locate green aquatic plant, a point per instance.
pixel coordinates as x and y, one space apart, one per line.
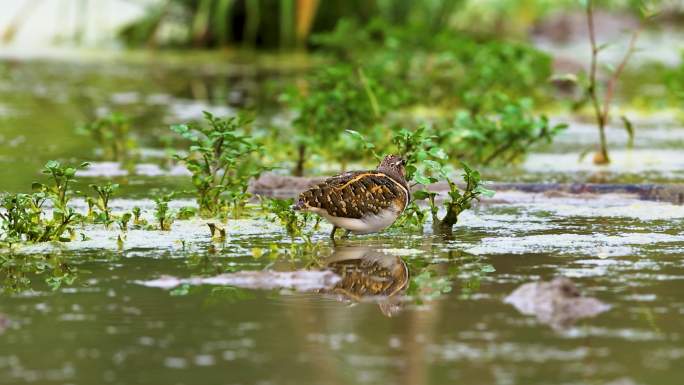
138 220
60 273
123 221
500 138
459 199
24 216
336 98
104 194
186 212
112 134
443 69
162 213
222 161
417 147
430 280
428 286
294 222
63 177
60 193
425 165
92 203
413 218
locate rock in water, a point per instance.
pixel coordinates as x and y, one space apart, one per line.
557 303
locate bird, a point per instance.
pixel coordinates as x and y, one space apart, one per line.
360 202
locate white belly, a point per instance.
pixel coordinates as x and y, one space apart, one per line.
369 224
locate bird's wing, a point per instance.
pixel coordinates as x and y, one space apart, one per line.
356 194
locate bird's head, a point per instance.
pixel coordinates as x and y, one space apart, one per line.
394 164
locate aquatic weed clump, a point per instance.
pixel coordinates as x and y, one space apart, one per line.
294 222
104 194
336 98
222 160
425 165
25 218
112 134
425 162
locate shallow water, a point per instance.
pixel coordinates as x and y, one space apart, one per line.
42 103
448 321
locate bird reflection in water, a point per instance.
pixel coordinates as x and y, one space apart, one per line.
369 275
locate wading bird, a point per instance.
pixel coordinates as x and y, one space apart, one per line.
361 202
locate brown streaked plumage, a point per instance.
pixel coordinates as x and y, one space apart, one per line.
360 201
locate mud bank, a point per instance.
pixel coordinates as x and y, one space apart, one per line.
289 186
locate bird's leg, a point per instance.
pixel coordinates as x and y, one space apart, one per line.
332 233
346 234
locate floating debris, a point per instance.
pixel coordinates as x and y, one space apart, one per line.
115 169
301 280
557 303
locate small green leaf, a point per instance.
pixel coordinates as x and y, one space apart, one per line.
421 179
420 195
629 127
52 164
485 192
438 153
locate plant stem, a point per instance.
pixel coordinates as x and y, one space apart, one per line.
610 87
593 92
602 112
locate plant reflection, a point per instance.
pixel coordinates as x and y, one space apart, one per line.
18 272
